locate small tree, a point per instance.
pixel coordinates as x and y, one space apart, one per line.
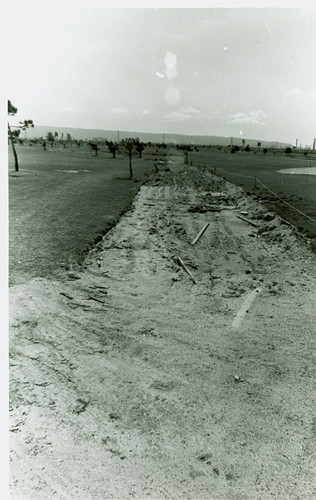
94 147
69 141
13 135
140 146
25 125
129 145
288 151
113 147
50 138
247 148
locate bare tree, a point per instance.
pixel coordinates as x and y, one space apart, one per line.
130 145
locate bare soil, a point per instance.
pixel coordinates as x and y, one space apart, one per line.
130 379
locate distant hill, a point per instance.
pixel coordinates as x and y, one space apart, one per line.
113 135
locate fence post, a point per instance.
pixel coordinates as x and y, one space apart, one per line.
255 181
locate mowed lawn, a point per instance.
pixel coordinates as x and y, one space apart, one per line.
242 167
60 202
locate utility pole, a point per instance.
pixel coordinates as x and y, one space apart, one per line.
296 143
314 144
118 136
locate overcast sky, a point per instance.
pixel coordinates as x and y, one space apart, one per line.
231 72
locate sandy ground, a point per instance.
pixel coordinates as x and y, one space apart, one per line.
130 380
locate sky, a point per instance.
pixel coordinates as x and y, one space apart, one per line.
242 72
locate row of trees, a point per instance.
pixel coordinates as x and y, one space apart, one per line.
129 145
52 137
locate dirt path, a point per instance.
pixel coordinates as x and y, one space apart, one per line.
129 380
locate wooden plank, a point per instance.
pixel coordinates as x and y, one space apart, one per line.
182 264
246 220
97 300
66 295
245 307
198 236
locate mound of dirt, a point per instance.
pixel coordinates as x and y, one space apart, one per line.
167 367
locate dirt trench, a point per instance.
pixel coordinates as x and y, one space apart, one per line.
132 378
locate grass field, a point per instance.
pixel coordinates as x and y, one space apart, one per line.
62 201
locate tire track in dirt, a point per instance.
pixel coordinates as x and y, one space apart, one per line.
137 393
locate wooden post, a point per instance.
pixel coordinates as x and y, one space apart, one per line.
130 154
249 221
182 264
198 236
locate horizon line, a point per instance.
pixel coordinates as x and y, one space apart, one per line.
165 133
